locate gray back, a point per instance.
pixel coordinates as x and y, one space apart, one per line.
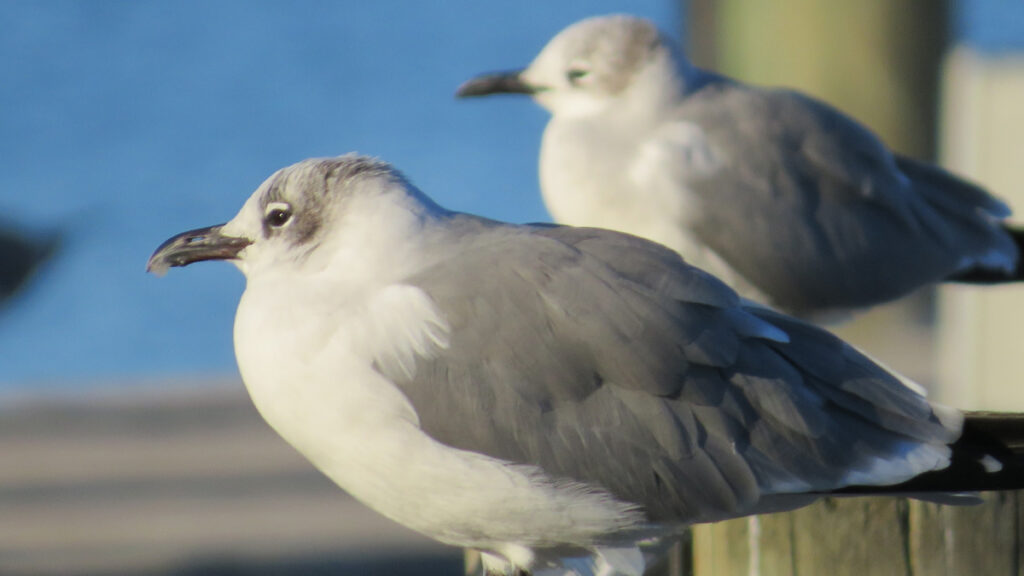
817 213
604 359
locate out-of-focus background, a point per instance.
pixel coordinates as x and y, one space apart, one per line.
128 444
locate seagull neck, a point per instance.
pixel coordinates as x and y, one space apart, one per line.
377 242
655 90
695 79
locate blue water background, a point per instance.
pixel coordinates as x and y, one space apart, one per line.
125 122
994 27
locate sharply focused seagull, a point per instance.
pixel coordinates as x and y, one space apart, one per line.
788 200
551 395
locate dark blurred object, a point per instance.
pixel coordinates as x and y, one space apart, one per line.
20 257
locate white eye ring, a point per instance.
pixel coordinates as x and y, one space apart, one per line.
278 214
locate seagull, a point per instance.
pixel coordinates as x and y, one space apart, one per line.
553 396
20 257
788 200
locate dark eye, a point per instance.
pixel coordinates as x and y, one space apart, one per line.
278 214
278 217
575 74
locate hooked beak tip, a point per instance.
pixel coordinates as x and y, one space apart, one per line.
195 246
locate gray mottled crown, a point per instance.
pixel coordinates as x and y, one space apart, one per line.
311 186
322 178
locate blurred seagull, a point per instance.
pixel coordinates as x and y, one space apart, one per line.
547 395
20 257
788 200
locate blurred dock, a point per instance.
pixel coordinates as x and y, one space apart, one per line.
188 482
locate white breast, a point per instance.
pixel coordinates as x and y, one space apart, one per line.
634 183
312 378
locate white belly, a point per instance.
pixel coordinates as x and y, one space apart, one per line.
312 380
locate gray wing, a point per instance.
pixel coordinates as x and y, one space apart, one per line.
815 211
602 358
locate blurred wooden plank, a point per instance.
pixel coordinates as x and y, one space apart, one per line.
171 483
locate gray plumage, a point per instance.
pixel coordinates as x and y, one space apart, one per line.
605 359
785 198
817 213
542 392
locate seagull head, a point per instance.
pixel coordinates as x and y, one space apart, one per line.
351 213
601 63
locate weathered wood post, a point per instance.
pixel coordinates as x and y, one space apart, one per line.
876 536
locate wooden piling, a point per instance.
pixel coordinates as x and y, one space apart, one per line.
861 536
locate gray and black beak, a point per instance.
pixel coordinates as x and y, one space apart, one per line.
195 246
510 82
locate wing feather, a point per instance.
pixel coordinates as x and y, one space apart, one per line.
815 211
581 352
